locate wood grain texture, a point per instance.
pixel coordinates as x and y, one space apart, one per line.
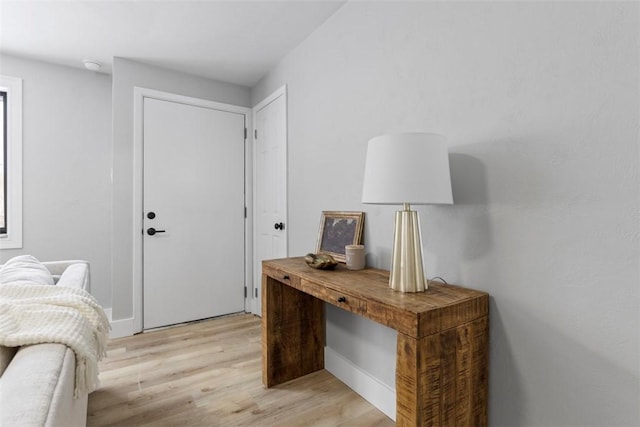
293 331
415 314
442 379
442 344
208 374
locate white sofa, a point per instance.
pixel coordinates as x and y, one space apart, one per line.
37 386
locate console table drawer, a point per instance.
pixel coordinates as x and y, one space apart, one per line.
282 276
339 299
347 302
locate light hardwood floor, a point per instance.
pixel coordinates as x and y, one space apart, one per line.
208 374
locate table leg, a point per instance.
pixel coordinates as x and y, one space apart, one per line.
293 331
442 379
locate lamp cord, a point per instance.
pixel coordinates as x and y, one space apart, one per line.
441 279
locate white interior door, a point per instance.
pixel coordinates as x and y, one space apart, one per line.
193 197
270 208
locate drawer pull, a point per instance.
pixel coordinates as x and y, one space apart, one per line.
342 299
285 278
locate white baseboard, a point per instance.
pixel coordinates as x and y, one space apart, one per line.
369 387
119 328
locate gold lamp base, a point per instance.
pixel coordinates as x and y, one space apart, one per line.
407 273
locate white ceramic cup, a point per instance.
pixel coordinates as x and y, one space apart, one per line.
355 257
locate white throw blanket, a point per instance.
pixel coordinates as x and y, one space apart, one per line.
35 314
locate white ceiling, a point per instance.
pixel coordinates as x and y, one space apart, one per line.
232 41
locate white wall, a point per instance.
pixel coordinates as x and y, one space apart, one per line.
126 75
66 166
540 102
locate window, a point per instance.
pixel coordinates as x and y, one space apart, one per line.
3 163
10 162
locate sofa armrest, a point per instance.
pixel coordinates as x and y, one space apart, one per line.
37 388
58 267
74 274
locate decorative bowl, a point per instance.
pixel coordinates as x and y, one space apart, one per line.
320 261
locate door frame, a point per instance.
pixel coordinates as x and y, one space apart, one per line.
281 91
139 94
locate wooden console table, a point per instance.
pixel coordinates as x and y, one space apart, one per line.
442 346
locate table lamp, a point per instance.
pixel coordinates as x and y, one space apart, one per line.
405 169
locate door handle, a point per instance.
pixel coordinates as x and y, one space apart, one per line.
279 226
151 231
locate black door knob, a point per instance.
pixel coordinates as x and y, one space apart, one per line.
279 226
151 215
151 231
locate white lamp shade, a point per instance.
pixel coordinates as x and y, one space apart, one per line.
407 168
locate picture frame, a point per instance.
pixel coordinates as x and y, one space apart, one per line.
338 229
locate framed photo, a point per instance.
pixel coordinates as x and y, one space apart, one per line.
338 229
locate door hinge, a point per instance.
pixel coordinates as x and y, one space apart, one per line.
255 133
256 292
245 211
245 133
245 291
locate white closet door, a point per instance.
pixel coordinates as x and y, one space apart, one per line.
271 186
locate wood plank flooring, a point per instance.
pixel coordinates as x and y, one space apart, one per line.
208 374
